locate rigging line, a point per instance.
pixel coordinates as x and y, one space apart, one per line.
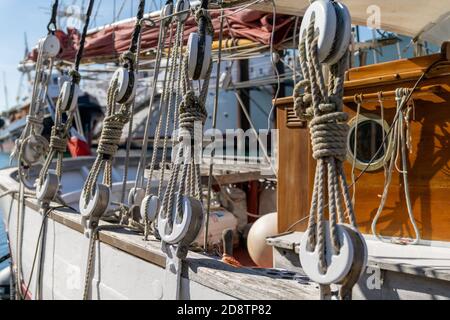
83 36
295 46
263 147
214 125
275 69
96 12
120 10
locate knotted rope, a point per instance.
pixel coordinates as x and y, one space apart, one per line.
192 115
328 128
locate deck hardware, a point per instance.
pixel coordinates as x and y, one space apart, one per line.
50 46
135 196
47 189
200 48
150 207
126 84
69 96
98 203
181 6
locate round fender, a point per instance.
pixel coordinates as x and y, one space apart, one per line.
97 204
126 85
338 265
50 46
34 147
343 34
182 5
150 207
199 55
135 196
47 190
325 24
185 229
69 96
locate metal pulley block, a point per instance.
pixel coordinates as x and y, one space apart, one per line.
95 208
50 46
332 25
182 6
69 96
135 196
185 228
199 48
46 190
32 149
339 264
126 84
150 207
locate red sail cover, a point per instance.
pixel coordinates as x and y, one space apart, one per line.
112 40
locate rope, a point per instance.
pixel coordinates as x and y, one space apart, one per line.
399 145
51 26
191 111
323 106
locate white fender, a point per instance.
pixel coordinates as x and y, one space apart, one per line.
123 77
325 24
150 207
47 190
50 46
186 229
135 196
343 33
338 265
69 96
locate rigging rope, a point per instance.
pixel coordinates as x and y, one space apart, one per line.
399 146
322 106
113 125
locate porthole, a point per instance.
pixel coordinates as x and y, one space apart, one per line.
368 131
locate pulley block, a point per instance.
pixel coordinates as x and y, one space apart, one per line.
199 47
69 96
46 190
167 11
182 6
338 265
135 196
332 24
50 46
185 228
150 207
126 85
33 149
97 204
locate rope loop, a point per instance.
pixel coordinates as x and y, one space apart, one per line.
202 14
302 100
75 75
127 57
58 141
111 134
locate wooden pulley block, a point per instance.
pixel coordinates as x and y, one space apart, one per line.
46 190
150 207
332 24
167 11
126 83
135 196
181 6
33 148
185 229
95 208
200 47
338 264
50 46
69 96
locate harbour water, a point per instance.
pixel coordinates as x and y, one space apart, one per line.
4 162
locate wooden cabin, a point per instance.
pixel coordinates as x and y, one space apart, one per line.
429 156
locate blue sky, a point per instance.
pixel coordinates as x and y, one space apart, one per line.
31 16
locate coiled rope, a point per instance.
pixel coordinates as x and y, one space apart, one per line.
399 145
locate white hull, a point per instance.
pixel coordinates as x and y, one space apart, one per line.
126 266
